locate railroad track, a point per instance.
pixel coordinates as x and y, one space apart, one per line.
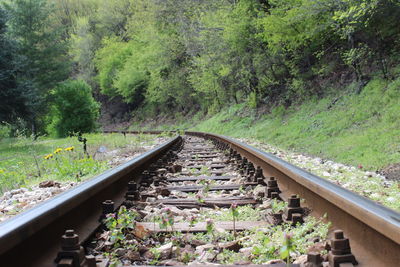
195 174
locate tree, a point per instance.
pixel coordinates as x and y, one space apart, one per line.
40 55
11 99
74 109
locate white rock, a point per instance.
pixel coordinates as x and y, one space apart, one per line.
201 249
301 260
390 199
326 174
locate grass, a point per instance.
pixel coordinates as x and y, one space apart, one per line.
23 161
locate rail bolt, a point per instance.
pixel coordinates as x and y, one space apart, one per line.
132 186
274 195
340 250
259 174
130 197
71 254
294 201
293 207
108 206
314 259
297 218
70 240
90 261
272 186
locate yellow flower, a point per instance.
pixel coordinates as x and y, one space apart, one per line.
58 150
71 148
49 156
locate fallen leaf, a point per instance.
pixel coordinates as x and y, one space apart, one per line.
141 232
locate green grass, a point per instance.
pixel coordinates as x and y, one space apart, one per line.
23 163
353 129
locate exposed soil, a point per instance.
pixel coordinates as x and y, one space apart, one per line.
391 172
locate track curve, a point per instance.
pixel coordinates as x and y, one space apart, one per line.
32 238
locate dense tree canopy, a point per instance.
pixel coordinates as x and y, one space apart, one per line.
11 100
164 56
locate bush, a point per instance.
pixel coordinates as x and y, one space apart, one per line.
5 130
73 109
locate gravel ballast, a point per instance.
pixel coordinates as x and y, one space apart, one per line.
366 183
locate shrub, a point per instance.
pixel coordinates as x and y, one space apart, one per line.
73 109
5 130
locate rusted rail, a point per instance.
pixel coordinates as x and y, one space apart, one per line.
32 238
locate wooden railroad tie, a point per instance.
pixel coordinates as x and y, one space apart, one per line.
212 166
216 173
202 226
199 149
207 202
195 178
200 161
201 157
195 188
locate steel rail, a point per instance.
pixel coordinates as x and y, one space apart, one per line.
32 238
374 230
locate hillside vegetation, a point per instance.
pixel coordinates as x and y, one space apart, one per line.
357 129
168 57
360 130
319 76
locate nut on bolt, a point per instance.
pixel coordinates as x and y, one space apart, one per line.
70 240
314 259
340 250
272 186
293 207
108 207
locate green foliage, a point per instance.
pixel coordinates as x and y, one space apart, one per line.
11 99
271 243
109 60
278 206
40 57
119 224
82 46
74 109
186 56
5 131
288 246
